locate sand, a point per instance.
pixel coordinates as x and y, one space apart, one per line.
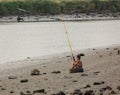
101 74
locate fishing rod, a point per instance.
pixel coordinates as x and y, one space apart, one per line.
66 31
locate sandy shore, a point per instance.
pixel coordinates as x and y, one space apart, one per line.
56 18
101 75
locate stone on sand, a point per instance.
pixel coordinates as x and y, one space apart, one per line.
24 81
89 92
56 72
35 72
118 87
77 92
39 91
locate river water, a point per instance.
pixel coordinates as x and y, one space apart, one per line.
21 40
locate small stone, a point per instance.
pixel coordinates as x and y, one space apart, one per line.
113 92
115 48
24 81
39 91
100 56
87 86
3 89
44 73
96 83
12 77
11 91
93 48
118 87
56 72
102 82
84 74
89 92
35 72
77 92
74 81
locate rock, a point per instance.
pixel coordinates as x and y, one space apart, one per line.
11 91
105 88
118 87
115 48
12 77
113 92
21 93
35 72
100 56
24 81
82 54
93 48
84 74
102 82
3 89
60 93
44 73
107 48
39 91
56 72
101 93
89 92
87 86
96 83
118 52
74 81
77 92
68 56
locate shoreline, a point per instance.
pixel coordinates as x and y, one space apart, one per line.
57 18
101 64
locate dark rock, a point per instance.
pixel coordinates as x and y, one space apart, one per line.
113 92
74 81
118 87
24 81
12 77
96 72
101 93
84 74
107 48
115 48
44 73
68 56
39 91
96 83
102 82
60 93
105 88
21 93
93 48
11 91
56 72
82 54
87 86
77 92
118 52
89 92
35 72
100 56
3 89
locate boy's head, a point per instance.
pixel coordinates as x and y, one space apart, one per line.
78 56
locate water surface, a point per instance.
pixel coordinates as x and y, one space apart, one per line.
22 40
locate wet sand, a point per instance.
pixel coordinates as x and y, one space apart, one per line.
49 75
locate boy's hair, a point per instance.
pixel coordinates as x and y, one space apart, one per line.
79 56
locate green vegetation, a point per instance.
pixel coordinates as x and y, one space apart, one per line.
48 7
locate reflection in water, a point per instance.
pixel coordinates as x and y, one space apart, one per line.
20 40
